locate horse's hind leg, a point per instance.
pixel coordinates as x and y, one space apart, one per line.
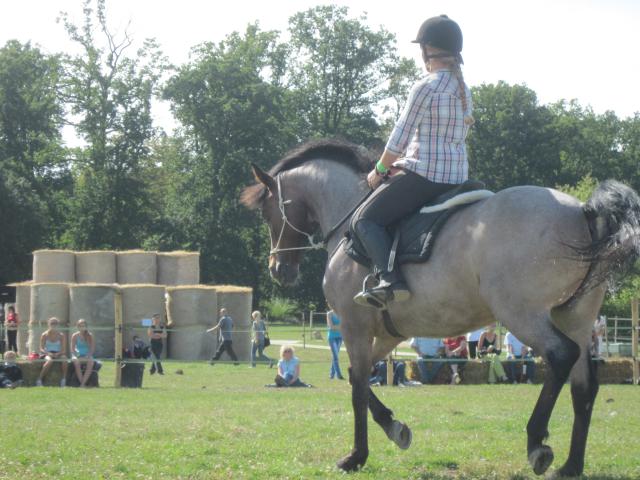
560 353
397 431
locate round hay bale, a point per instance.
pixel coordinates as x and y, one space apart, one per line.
23 309
96 267
95 303
47 300
238 301
140 302
178 268
191 310
136 267
54 266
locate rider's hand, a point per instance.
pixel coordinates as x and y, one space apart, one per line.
373 179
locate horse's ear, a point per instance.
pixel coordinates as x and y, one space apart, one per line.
264 178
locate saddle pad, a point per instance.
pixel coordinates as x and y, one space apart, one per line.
418 231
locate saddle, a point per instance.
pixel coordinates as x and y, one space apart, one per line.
414 236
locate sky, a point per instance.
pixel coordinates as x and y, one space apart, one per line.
561 49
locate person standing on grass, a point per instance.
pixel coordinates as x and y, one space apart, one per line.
334 337
157 332
12 323
258 332
225 325
53 346
82 348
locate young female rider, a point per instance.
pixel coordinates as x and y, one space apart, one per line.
428 144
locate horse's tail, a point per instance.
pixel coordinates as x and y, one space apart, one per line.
613 216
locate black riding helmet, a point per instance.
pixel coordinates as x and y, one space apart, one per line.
440 32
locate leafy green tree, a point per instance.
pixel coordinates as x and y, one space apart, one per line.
31 155
109 98
232 105
340 71
280 308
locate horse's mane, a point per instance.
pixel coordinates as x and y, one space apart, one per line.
341 151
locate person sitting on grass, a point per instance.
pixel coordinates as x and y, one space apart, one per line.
53 346
10 373
289 369
489 351
82 348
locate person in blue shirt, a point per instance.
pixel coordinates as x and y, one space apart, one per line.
288 369
428 349
335 341
82 348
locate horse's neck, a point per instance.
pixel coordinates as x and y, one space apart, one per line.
331 191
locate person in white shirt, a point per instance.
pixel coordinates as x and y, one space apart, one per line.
516 350
472 342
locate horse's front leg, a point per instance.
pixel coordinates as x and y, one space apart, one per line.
397 431
359 349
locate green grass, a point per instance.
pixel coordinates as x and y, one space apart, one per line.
220 422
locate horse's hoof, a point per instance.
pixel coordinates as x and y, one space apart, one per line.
566 471
352 462
540 459
400 434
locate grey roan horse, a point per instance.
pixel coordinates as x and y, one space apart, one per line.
533 258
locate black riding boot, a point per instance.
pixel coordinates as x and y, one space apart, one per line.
392 286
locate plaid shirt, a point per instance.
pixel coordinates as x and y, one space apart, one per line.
431 130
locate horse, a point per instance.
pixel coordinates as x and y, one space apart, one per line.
534 259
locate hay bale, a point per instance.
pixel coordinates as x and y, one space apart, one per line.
47 300
178 268
54 266
136 267
23 309
237 301
95 303
141 302
96 267
191 310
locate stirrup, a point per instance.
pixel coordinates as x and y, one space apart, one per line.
367 298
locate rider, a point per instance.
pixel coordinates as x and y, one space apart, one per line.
427 144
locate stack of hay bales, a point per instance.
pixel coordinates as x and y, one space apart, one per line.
95 304
237 301
136 267
96 267
54 266
47 300
140 302
191 311
178 268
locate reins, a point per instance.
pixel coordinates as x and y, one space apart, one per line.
313 245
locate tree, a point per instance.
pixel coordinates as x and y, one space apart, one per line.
109 97
31 155
340 71
232 105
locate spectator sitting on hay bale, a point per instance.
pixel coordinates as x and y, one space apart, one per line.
456 347
10 373
288 369
516 350
53 346
489 351
82 349
428 349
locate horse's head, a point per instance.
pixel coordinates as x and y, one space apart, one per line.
282 205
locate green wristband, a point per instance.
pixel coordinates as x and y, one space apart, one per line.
380 168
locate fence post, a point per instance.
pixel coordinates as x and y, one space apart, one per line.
634 340
117 298
311 322
389 371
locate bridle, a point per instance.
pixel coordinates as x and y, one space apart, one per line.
313 245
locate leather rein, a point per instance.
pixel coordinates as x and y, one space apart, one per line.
313 244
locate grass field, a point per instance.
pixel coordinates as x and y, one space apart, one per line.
220 422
